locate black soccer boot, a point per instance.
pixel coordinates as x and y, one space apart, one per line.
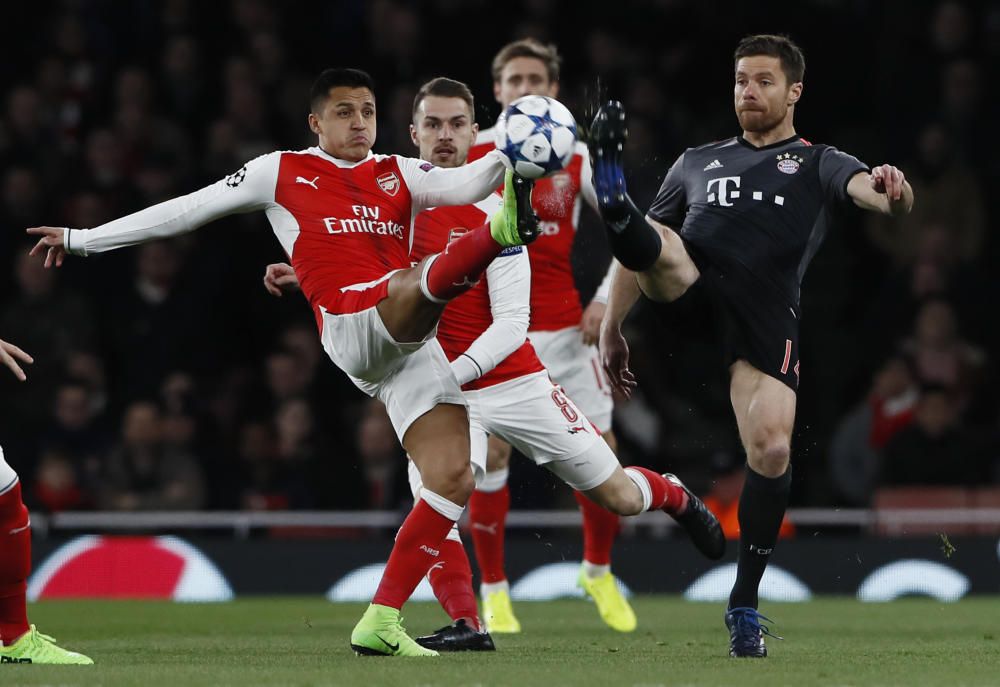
457 637
700 523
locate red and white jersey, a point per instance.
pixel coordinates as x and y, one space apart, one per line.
555 302
344 225
487 324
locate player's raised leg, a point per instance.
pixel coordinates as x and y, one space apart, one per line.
765 414
417 296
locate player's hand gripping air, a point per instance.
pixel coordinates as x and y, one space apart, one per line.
10 354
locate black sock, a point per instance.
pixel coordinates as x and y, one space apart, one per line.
761 510
633 241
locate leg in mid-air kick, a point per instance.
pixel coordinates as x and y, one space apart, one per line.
657 263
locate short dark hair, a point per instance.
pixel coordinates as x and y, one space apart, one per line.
793 62
333 78
528 47
443 87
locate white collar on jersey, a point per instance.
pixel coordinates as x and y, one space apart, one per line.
345 164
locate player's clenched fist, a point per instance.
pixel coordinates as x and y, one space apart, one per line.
278 277
888 180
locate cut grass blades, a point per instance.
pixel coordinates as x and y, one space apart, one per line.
297 641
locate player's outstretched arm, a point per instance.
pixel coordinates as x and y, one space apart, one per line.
9 356
280 277
250 188
885 190
623 294
634 243
432 186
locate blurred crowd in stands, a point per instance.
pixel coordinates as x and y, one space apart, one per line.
166 378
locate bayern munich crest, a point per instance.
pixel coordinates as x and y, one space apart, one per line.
788 163
389 183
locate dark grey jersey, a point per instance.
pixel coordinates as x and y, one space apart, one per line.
765 208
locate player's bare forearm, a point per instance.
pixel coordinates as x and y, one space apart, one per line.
885 190
622 295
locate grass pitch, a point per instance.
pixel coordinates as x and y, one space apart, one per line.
298 641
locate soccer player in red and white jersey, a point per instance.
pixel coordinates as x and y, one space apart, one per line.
483 334
343 216
564 335
20 642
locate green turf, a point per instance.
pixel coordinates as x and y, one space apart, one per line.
296 641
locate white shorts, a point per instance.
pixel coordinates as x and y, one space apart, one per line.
534 416
577 369
7 475
409 378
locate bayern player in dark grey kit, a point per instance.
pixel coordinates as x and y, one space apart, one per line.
742 217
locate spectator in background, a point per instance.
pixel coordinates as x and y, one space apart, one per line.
951 198
940 355
856 447
934 449
384 483
49 321
57 484
142 473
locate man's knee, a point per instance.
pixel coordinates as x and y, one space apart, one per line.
769 454
452 480
497 456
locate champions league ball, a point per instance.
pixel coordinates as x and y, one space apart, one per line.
537 134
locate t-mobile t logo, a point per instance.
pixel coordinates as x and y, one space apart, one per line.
724 194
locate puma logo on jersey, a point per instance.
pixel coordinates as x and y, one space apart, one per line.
488 529
714 164
303 180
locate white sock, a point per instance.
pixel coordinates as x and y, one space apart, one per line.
642 484
494 480
592 570
487 588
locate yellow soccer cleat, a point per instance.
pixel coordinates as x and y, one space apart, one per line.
498 615
613 607
34 647
380 632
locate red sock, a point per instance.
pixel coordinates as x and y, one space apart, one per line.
667 496
417 547
600 527
451 580
487 520
457 269
15 564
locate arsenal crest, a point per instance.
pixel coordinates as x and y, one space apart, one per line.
389 183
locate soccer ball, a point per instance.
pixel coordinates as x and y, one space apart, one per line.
536 134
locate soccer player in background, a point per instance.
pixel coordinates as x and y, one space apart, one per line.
20 642
342 215
743 218
563 335
483 333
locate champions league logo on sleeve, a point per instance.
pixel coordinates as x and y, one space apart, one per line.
237 177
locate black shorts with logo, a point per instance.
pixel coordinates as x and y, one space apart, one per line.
757 325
